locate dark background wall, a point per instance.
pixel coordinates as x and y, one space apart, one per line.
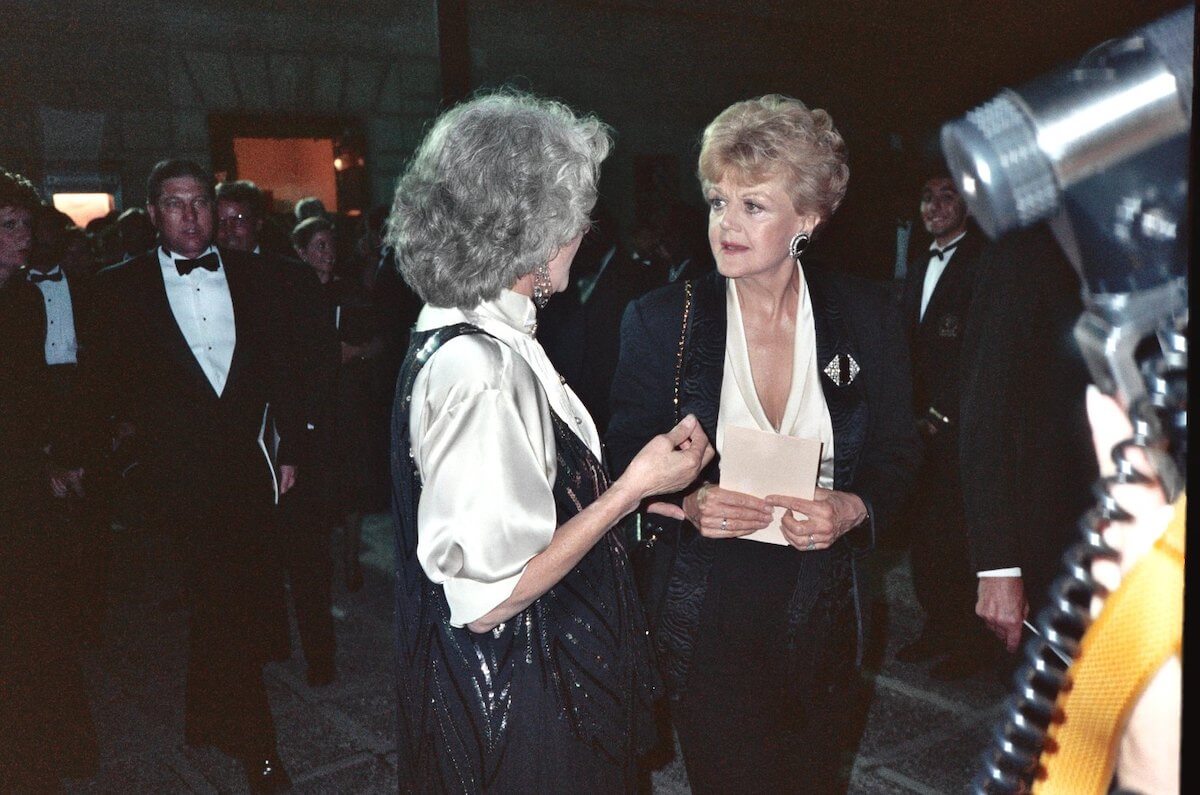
109 87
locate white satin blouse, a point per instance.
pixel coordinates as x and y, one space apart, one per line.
483 442
806 415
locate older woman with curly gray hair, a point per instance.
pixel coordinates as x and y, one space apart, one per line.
755 609
523 661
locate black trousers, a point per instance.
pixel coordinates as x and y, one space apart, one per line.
300 547
944 580
45 721
226 701
742 725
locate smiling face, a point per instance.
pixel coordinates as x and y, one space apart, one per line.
943 210
237 227
319 254
183 216
16 239
750 226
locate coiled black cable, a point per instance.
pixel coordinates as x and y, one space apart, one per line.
1010 763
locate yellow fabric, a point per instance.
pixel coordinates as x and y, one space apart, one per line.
1139 628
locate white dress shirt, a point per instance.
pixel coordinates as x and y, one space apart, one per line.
806 414
483 442
203 309
61 344
935 270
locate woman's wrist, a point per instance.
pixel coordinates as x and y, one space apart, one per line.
624 496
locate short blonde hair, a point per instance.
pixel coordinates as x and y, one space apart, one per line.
774 135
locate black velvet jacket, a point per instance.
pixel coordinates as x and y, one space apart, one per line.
667 371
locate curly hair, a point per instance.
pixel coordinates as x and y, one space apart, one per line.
16 191
775 135
499 184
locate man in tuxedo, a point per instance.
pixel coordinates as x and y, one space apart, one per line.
301 532
1025 444
187 357
46 727
82 520
937 302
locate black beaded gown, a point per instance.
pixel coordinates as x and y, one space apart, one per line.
558 698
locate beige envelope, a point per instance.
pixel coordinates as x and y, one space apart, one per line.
758 463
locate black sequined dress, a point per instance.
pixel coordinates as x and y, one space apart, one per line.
558 698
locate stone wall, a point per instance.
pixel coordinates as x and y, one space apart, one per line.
103 88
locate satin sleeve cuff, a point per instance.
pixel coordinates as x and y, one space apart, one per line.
1014 571
487 462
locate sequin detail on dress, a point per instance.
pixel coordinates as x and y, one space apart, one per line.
556 698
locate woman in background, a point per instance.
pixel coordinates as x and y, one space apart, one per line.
348 449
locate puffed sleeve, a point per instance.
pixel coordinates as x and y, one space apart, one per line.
484 446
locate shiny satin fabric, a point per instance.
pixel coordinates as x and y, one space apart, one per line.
483 442
557 698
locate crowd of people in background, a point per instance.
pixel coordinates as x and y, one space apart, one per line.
84 440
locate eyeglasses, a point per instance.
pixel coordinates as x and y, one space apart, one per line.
234 220
176 205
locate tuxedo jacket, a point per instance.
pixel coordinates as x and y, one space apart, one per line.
935 341
875 444
199 453
312 339
23 398
1025 445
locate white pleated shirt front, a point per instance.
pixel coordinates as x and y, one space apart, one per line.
483 443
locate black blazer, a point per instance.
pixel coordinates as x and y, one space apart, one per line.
876 446
935 342
312 340
199 452
23 399
1025 444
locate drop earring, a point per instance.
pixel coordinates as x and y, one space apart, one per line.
542 288
798 244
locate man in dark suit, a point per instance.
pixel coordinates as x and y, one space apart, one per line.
82 522
937 303
46 727
186 359
1026 452
301 532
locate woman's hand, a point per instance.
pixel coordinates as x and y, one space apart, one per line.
719 513
668 462
822 520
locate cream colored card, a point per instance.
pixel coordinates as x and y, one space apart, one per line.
758 463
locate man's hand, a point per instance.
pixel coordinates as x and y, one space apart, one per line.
287 478
1003 607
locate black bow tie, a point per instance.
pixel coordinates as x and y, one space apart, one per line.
36 277
939 253
209 262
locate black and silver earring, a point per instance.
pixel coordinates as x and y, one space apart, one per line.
798 244
542 288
